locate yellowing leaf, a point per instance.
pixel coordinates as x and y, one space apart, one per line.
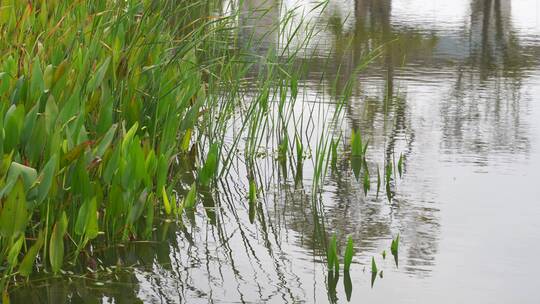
166 202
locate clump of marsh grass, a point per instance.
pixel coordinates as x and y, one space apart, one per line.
100 100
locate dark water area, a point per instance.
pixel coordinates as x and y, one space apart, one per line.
455 90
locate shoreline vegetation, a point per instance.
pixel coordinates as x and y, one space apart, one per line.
106 103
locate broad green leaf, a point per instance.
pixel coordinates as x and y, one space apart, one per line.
151 164
162 170
80 184
5 164
106 111
14 214
92 227
126 141
25 269
112 165
13 255
28 126
137 159
69 110
395 245
136 211
28 174
82 218
373 266
356 144
75 153
20 91
48 75
13 123
46 179
98 76
105 141
4 81
356 166
51 114
6 187
39 141
332 255
56 247
37 83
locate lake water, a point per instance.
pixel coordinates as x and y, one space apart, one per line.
455 90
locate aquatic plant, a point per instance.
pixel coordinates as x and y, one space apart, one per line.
400 165
347 284
349 253
100 100
374 271
394 247
373 266
332 255
252 197
95 96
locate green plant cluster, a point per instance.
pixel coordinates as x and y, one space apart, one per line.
96 99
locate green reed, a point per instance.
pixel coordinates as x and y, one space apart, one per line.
99 100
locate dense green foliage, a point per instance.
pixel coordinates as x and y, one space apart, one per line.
98 98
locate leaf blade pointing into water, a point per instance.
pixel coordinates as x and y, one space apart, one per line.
373 271
400 165
349 253
373 265
395 245
394 249
332 257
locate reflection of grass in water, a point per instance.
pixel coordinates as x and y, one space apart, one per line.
123 92
104 98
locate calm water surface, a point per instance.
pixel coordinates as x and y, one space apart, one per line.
456 92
